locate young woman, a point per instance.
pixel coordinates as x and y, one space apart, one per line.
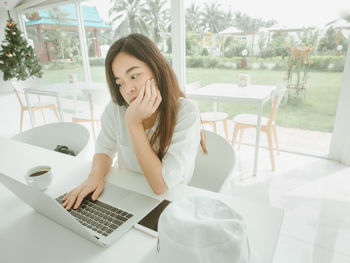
155 130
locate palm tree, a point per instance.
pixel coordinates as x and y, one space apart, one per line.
127 16
212 17
192 15
244 22
228 19
249 24
157 17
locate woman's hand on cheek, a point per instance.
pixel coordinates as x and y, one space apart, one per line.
146 103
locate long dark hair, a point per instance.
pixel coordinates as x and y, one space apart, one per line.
145 50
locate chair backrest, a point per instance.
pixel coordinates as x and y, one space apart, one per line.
72 135
19 86
211 170
276 97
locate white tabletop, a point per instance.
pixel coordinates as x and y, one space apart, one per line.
26 236
64 88
232 93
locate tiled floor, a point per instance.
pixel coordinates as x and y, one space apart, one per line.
315 196
314 193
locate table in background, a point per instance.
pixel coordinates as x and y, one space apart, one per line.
59 90
27 236
255 95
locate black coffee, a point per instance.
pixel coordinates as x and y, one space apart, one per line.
38 173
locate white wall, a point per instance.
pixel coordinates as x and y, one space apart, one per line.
4 85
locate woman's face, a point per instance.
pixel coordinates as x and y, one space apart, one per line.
130 75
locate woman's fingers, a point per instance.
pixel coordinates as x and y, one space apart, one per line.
71 200
68 197
81 196
97 192
148 91
71 197
158 100
146 103
65 197
154 92
140 95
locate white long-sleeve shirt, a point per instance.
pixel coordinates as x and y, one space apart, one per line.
178 162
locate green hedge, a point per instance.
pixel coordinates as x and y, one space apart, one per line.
319 63
327 63
97 61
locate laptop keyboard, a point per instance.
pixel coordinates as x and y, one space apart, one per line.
98 216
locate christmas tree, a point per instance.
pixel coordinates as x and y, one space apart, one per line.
17 57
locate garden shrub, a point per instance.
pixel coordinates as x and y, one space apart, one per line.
210 62
194 61
319 63
323 63
97 61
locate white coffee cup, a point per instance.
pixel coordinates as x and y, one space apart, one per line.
39 177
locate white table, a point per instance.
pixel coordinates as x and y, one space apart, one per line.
59 90
231 93
26 236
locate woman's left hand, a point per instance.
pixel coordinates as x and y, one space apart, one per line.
146 103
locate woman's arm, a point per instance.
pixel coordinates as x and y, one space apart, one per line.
93 184
147 158
141 109
101 164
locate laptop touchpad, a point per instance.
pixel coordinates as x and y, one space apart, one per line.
113 194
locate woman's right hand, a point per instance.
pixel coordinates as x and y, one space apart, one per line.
93 184
145 104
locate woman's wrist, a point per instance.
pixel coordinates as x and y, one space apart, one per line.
96 175
134 125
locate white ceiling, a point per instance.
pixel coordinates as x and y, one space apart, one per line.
26 4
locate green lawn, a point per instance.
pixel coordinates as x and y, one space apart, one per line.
317 112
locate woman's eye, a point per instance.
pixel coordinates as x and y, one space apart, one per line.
134 76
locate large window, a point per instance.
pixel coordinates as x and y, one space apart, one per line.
54 34
274 44
148 17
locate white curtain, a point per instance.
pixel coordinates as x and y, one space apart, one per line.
340 145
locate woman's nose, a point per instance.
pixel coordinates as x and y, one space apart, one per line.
129 87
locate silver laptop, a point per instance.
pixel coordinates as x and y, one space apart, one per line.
103 221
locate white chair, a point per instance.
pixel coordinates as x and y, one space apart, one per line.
98 99
212 169
268 125
73 135
18 87
210 117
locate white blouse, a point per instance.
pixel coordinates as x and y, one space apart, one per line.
178 162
